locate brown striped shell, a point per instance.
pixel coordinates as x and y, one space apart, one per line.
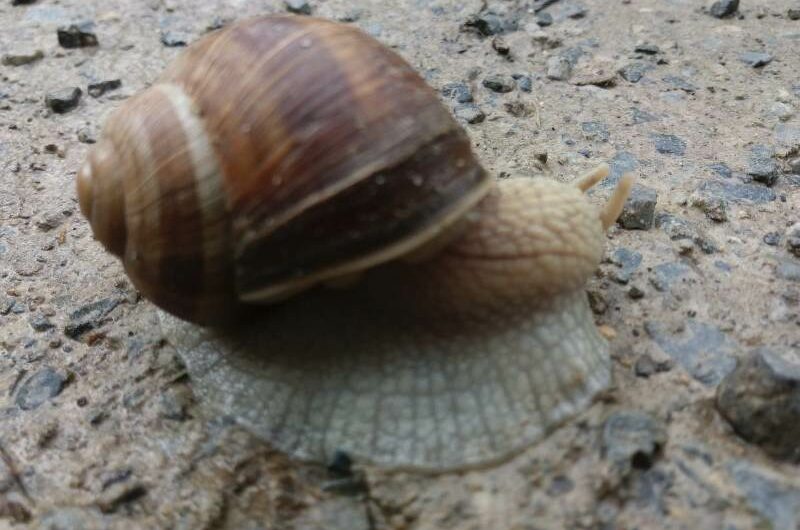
270 156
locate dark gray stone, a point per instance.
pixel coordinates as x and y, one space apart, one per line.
777 501
646 366
634 72
499 83
702 349
621 163
639 209
723 8
772 238
469 112
761 400
793 14
721 169
524 82
488 23
101 87
669 144
640 116
39 388
40 323
755 59
63 100
632 440
647 48
793 239
544 19
680 83
762 165
738 192
89 317
595 130
559 68
457 91
665 275
628 261
78 35
175 38
298 7
21 2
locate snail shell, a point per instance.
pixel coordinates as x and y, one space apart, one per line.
270 156
282 152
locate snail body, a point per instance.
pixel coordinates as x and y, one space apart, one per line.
285 152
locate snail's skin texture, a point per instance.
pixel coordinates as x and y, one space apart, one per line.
270 156
459 361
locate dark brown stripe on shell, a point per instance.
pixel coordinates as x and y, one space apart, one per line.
364 218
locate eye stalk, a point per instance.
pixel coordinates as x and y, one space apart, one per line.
101 197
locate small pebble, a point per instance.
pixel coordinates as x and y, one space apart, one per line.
723 8
793 239
89 317
173 38
544 19
772 238
595 130
457 91
499 83
793 14
101 87
635 293
500 46
669 144
298 7
86 136
755 59
22 58
634 72
639 210
469 112
524 82
721 169
559 68
488 23
640 116
680 83
40 323
647 48
762 165
63 100
39 388
715 207
79 35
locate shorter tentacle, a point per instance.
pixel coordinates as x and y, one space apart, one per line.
591 178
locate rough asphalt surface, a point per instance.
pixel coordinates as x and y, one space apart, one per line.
98 426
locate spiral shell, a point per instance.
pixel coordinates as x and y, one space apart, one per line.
274 154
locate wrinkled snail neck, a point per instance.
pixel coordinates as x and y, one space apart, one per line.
527 243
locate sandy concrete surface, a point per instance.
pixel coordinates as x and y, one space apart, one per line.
98 424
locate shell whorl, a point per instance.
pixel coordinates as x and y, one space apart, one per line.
275 154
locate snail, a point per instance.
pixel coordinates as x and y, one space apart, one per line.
335 267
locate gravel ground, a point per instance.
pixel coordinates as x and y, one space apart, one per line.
99 428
